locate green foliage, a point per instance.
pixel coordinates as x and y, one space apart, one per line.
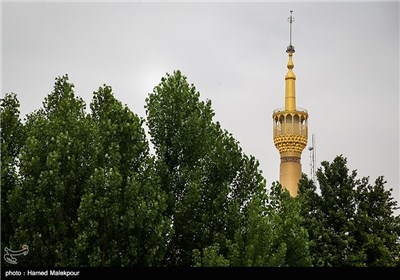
128 227
210 257
257 241
56 162
12 131
213 187
206 176
350 223
12 139
377 228
83 190
290 224
272 234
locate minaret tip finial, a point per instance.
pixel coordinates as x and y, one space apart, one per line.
290 48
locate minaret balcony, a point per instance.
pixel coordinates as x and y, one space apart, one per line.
286 123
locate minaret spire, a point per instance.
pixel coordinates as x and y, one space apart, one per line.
290 92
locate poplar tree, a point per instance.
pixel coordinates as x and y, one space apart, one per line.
120 221
350 222
12 140
214 190
55 165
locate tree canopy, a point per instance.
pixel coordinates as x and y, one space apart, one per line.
92 188
350 222
12 139
212 186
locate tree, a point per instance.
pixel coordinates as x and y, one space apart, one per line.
288 221
212 186
350 223
271 234
127 226
207 178
56 164
377 228
12 140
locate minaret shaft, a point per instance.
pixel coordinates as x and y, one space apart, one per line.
290 174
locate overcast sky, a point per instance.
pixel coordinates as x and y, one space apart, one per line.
346 63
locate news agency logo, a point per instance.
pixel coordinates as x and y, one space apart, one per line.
10 255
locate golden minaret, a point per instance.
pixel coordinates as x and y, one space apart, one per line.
290 129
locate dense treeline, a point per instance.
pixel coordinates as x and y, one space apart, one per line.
83 189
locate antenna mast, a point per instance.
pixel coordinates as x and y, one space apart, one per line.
313 152
290 48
